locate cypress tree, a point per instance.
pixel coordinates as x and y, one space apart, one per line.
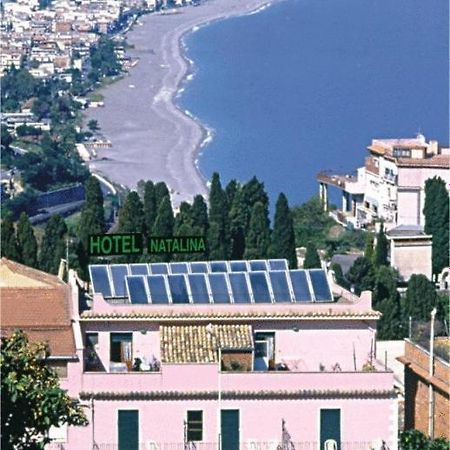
420 298
183 220
253 192
199 213
150 209
53 246
312 259
231 189
163 226
164 222
368 251
436 212
218 239
283 238
361 275
238 223
92 219
161 192
26 241
258 236
9 242
381 249
131 215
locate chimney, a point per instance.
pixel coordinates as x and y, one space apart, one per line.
433 148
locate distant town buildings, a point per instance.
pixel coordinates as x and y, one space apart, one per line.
58 38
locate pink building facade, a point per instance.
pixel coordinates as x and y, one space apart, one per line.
302 374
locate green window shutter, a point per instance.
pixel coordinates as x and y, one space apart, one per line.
230 429
330 427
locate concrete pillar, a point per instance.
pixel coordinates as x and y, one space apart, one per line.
325 197
321 191
353 206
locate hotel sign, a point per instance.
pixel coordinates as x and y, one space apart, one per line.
133 244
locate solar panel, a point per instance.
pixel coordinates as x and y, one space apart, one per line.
218 266
280 287
199 267
100 280
138 269
178 267
300 286
199 289
157 288
239 287
258 264
136 289
320 286
118 274
278 264
238 266
219 288
159 269
260 287
178 289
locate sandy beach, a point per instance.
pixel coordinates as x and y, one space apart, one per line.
152 138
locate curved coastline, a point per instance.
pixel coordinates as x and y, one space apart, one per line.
169 147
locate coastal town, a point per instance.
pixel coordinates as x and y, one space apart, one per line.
169 312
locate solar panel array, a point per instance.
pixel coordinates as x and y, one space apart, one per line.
216 282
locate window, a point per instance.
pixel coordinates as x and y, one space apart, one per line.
194 425
402 153
264 351
91 340
121 348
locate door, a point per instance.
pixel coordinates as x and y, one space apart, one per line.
128 427
330 429
264 351
229 420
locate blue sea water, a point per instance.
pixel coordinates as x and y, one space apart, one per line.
306 84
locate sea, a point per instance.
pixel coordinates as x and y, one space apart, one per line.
305 85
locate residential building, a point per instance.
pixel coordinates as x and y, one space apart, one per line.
391 184
244 353
427 387
410 251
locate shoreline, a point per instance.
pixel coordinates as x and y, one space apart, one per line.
177 153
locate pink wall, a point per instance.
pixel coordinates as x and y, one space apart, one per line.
362 420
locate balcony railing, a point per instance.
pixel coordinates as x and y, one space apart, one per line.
250 445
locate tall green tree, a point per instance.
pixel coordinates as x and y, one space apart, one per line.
385 286
283 237
231 189
219 237
312 258
32 400
361 275
131 215
163 226
53 246
150 207
164 222
420 298
368 250
92 221
258 236
26 241
183 220
238 225
9 242
161 192
436 212
390 326
199 213
253 191
381 249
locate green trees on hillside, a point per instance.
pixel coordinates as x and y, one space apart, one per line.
9 242
436 212
312 258
53 247
26 241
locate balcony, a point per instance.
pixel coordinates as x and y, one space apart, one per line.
189 378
